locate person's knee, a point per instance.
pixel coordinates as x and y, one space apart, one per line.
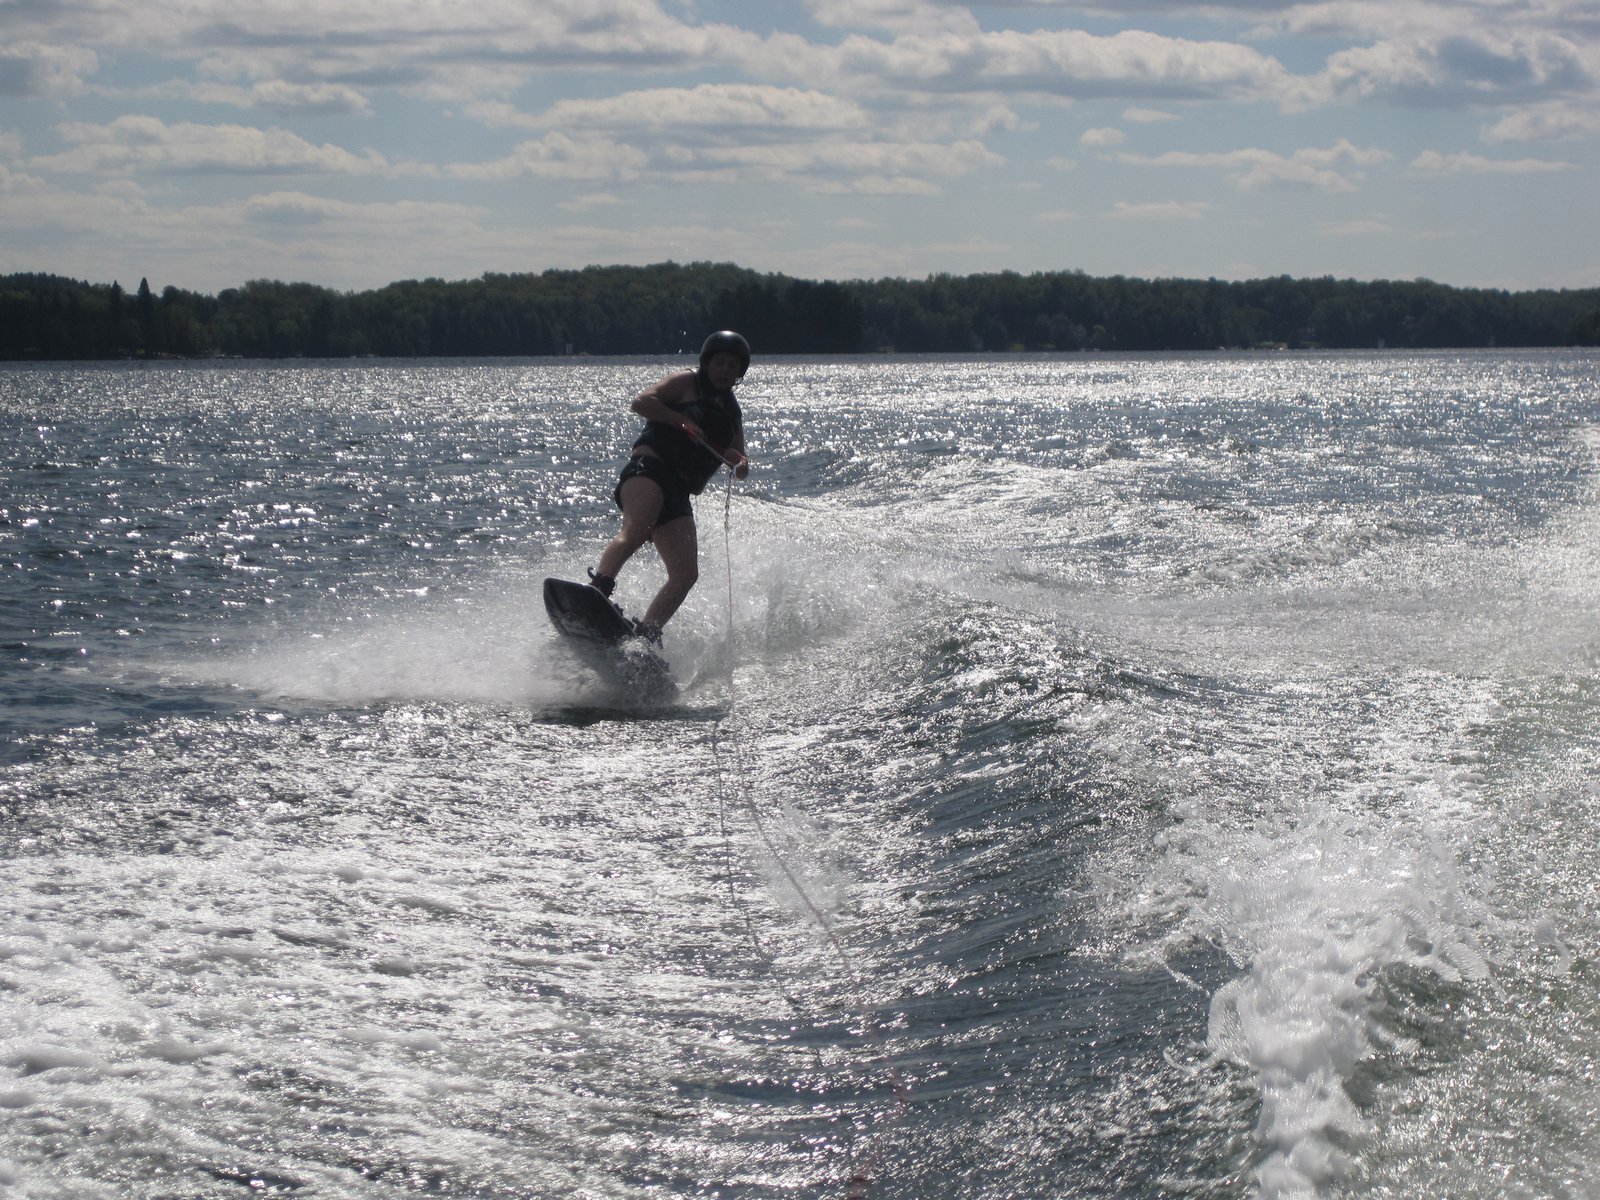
685 575
635 534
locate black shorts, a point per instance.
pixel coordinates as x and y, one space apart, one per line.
674 491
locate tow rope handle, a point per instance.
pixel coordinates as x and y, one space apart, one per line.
689 431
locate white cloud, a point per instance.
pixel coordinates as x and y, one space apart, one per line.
1343 151
441 49
1368 20
728 133
1431 162
892 98
1360 228
1470 66
1255 168
497 114
487 51
33 69
874 185
116 233
1146 116
1068 63
557 156
276 95
1000 119
18 181
679 122
1559 121
831 165
279 210
1161 210
34 221
139 143
590 200
835 166
907 16
723 106
1100 138
314 99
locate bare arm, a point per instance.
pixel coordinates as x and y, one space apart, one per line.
651 404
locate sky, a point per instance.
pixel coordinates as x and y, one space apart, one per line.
351 143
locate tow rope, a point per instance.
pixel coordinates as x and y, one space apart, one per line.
865 1165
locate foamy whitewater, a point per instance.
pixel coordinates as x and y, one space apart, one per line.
1105 777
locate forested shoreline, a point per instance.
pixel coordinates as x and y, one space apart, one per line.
666 309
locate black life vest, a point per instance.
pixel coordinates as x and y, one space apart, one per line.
716 413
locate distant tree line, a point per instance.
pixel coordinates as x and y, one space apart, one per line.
667 308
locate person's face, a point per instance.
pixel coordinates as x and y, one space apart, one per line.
723 369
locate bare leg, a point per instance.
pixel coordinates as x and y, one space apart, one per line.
641 505
678 546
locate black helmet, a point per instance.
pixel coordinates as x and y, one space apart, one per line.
730 341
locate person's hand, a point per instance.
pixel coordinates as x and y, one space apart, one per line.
739 463
690 428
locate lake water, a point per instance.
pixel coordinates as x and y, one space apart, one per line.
1090 777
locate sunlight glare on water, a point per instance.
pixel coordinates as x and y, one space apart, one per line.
1176 770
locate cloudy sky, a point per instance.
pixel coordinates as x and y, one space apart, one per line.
349 143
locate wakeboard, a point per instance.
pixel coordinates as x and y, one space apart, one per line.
605 640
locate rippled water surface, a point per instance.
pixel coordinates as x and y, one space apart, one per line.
1102 777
